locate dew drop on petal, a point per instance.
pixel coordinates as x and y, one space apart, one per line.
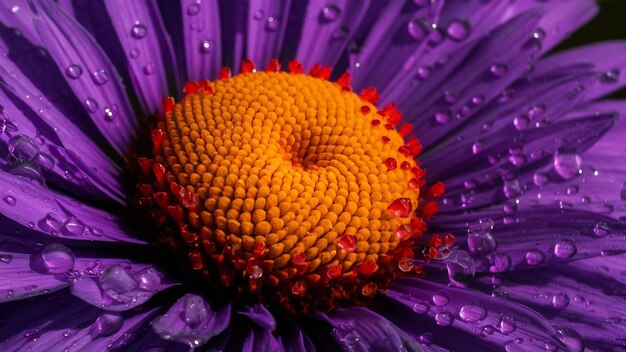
330 13
506 325
6 258
441 299
560 300
458 30
58 258
521 122
138 30
534 257
272 24
10 200
498 70
149 68
73 71
471 313
206 47
109 115
416 29
107 324
423 72
149 279
444 319
461 267
195 310
611 76
50 223
22 147
541 179
134 53
500 262
118 284
99 77
479 238
600 229
567 164
193 9
44 160
72 227
443 117
421 307
571 338
565 249
91 105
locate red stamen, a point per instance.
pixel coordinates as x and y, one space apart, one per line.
190 88
295 66
344 80
225 73
370 95
168 105
401 207
247 66
405 129
273 66
437 190
391 163
430 209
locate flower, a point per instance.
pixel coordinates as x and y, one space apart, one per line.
523 255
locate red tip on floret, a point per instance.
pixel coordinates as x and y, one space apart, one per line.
370 95
273 66
190 88
168 104
247 66
225 73
295 66
344 81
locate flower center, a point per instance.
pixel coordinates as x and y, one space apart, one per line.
286 188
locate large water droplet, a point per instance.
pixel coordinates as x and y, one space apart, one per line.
534 257
91 105
479 238
149 68
521 122
500 262
611 76
108 115
560 300
72 227
44 160
272 24
118 284
6 258
471 313
444 319
441 299
138 30
23 147
73 71
193 9
27 169
421 307
107 324
571 338
10 200
601 229
50 223
99 77
567 164
458 30
149 279
541 179
58 258
417 29
565 249
330 13
443 117
506 325
195 310
461 267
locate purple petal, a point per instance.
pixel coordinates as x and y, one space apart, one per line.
360 329
17 14
267 21
59 322
456 318
587 296
262 341
294 340
608 66
233 18
54 214
328 29
142 36
562 19
202 39
192 320
532 237
99 87
115 284
260 316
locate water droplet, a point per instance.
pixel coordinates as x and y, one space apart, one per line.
72 227
426 339
498 70
149 279
10 200
6 258
571 190
23 147
565 249
571 338
441 299
99 77
458 30
206 46
506 325
107 324
138 30
611 76
421 308
600 230
567 164
534 257
541 179
58 258
134 53
44 160
256 272
521 122
460 265
560 300
479 238
417 29
330 13
423 72
195 310
73 71
444 319
91 105
471 313
443 117
118 284
259 15
108 115
272 24
193 9
149 68
500 262
477 148
449 97
27 169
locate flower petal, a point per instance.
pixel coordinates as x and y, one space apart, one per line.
360 329
233 16
587 296
459 318
260 316
54 214
261 341
99 88
202 38
192 320
328 29
267 21
60 322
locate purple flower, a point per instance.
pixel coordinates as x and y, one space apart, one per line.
524 254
